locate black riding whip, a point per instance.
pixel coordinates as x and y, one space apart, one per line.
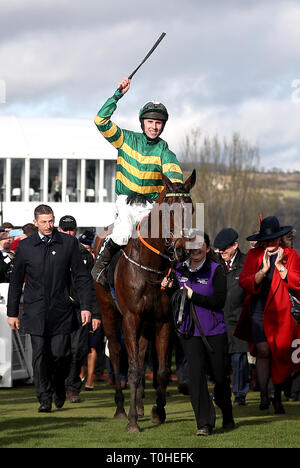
146 57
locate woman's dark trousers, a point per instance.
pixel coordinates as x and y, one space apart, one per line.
202 363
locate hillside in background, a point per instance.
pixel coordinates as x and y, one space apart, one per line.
267 193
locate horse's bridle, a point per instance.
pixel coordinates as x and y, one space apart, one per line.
170 245
150 247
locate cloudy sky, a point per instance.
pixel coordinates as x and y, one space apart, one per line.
224 66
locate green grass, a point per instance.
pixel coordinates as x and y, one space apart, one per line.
90 424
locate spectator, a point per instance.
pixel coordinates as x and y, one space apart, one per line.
95 337
7 226
292 387
16 235
289 239
292 384
79 337
6 257
87 239
5 242
29 229
204 338
95 347
56 189
227 244
46 260
26 231
266 322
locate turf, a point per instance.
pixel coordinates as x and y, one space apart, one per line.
90 424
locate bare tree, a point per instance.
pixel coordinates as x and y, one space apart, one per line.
229 183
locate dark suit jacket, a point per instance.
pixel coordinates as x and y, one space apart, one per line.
88 261
46 269
5 268
234 303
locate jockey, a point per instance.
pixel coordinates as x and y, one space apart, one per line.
142 157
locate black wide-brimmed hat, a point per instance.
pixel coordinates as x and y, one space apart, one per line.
270 229
225 238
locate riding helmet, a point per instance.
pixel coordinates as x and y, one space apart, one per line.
154 110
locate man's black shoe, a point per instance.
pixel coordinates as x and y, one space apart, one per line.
239 401
204 431
59 399
45 407
183 388
228 424
293 397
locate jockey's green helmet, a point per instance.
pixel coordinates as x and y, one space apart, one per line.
155 111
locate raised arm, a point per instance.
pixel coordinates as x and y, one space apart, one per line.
111 132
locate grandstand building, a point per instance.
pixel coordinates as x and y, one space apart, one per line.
34 152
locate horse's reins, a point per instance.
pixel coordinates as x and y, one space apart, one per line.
192 317
150 247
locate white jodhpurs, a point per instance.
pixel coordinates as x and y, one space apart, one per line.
127 218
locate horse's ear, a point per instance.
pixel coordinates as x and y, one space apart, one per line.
167 183
190 182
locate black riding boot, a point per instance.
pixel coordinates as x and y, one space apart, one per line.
99 271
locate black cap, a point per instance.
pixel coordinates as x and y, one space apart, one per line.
87 237
67 223
225 238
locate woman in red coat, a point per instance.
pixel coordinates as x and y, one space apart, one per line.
269 273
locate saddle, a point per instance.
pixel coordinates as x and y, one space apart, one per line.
112 267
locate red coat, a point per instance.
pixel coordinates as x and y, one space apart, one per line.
280 327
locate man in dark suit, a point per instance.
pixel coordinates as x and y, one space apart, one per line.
232 258
80 336
45 261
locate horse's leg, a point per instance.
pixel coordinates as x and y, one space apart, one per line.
111 326
131 325
162 341
143 346
114 352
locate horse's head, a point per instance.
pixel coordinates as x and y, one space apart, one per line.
173 209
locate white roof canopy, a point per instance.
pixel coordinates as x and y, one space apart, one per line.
52 138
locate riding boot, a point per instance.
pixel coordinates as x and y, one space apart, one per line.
99 271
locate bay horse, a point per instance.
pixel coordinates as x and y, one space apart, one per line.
141 306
